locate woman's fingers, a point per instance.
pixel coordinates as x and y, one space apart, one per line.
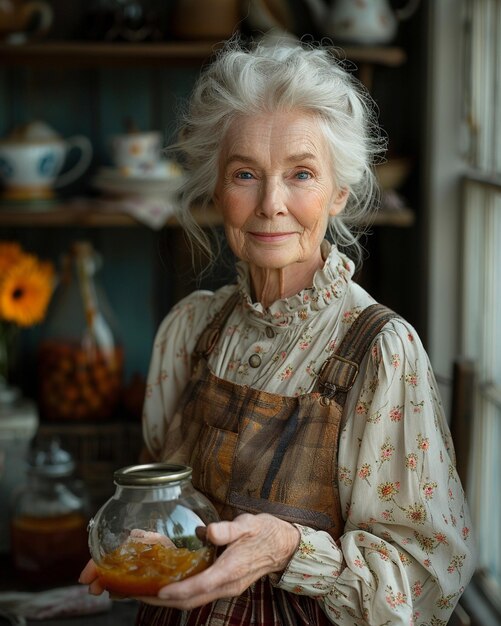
88 574
256 545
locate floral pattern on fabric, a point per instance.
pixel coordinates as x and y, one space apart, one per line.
406 553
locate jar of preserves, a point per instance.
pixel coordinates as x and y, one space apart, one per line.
49 519
151 532
80 357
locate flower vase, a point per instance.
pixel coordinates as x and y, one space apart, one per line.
8 341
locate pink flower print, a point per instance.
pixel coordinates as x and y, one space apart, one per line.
304 345
427 544
416 513
412 379
410 337
331 346
411 461
456 563
306 298
428 490
396 414
232 365
427 562
441 539
417 407
283 355
327 294
362 408
286 373
345 476
387 515
365 471
395 599
358 562
395 360
386 451
417 589
351 315
466 532
423 442
388 490
306 548
445 602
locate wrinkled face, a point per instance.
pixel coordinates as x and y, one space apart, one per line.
275 189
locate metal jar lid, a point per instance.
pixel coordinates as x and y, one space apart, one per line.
152 474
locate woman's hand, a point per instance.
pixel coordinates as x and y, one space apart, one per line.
255 545
89 577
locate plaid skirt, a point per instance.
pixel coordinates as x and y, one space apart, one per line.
261 604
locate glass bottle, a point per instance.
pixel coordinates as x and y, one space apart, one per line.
152 530
80 359
49 519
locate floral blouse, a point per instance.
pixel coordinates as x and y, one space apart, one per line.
407 551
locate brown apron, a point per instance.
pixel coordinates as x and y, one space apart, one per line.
259 452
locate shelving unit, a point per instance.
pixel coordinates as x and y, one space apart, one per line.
90 54
93 213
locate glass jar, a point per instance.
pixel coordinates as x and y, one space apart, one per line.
151 532
18 426
80 357
49 519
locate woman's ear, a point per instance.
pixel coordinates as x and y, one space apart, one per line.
339 201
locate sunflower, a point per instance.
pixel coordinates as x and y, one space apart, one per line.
10 254
25 291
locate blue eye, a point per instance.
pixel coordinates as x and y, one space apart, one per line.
244 175
303 175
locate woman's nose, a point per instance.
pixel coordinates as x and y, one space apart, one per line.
272 198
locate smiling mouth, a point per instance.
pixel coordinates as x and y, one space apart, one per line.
271 236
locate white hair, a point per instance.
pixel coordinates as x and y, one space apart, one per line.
282 77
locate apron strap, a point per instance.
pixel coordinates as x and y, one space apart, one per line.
210 335
339 372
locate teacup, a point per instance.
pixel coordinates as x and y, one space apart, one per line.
31 170
20 19
136 152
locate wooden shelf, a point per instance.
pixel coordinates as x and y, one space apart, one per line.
55 54
93 213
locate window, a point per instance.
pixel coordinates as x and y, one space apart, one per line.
481 307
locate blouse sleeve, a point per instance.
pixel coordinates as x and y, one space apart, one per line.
170 365
406 553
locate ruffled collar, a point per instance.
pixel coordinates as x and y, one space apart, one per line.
329 286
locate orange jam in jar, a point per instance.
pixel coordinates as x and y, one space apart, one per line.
151 532
138 569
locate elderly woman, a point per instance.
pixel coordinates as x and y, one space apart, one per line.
309 413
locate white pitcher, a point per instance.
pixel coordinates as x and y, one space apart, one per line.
364 22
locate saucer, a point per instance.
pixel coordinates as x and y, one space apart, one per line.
164 178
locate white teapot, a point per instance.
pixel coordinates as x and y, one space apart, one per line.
32 158
372 22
